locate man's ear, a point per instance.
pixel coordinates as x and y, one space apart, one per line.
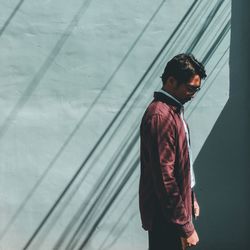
172 82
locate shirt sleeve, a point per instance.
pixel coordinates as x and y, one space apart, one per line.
163 143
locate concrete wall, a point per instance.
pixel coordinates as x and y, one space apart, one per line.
224 157
75 80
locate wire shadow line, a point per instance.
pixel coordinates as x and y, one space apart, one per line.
213 48
197 38
225 12
122 214
122 230
40 74
115 163
107 207
123 60
122 122
104 190
216 42
68 246
45 66
94 207
107 129
119 156
181 30
102 197
13 13
206 24
82 119
205 92
194 24
195 41
211 51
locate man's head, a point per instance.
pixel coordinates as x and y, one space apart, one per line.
182 77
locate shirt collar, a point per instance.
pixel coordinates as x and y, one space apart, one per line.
173 98
169 99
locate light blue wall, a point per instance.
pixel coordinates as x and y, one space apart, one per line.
75 80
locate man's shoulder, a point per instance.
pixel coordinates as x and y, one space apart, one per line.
158 108
158 112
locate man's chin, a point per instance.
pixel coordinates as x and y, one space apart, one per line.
183 101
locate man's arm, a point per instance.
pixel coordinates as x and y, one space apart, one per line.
162 142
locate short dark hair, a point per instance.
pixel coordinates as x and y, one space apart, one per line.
182 67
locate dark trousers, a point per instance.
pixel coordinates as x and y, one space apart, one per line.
164 236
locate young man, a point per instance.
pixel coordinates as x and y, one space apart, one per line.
166 198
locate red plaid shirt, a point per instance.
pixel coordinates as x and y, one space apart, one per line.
165 181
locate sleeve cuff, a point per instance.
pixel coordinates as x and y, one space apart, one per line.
186 230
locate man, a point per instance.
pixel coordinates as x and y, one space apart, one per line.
167 201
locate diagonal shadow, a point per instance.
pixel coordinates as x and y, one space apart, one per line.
45 66
123 213
217 41
198 37
92 213
205 25
223 184
126 149
97 193
72 246
81 121
210 52
110 171
208 56
212 82
121 230
13 13
36 80
122 62
107 129
107 207
78 215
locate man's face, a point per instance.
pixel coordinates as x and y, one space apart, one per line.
184 92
